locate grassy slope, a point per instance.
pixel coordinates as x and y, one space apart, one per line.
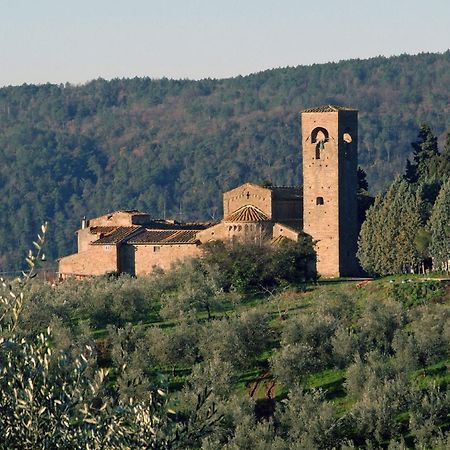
258 380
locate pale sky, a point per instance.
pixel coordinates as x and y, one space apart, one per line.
76 41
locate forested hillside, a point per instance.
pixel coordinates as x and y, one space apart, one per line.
174 145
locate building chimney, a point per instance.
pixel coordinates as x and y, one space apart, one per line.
83 223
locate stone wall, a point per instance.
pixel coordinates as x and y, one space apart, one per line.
248 194
163 256
97 260
282 230
329 190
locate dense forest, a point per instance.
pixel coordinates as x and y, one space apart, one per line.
170 147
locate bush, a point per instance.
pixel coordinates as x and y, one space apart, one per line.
314 331
250 268
410 294
309 421
239 340
431 333
377 325
293 363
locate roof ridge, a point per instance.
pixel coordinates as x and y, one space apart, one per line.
328 108
247 213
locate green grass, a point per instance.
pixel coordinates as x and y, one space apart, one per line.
294 301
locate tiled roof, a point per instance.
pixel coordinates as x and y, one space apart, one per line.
173 225
279 240
327 108
115 236
287 188
294 225
134 212
163 237
104 230
247 213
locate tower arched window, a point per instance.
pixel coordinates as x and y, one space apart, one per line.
319 136
319 201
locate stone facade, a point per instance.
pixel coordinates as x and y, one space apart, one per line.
132 242
330 163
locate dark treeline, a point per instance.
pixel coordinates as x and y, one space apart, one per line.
406 230
174 145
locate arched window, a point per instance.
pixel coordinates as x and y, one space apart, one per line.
319 201
319 136
347 137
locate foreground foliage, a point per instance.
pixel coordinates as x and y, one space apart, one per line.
53 399
341 367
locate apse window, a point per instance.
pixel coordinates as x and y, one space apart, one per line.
319 201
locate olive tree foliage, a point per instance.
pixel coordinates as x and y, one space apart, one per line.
308 420
381 393
197 291
377 325
50 400
306 347
428 409
173 349
238 340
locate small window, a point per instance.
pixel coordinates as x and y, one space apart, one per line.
347 137
319 201
156 248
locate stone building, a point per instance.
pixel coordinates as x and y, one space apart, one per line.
133 242
330 185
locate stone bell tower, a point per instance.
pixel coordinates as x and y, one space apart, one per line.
330 164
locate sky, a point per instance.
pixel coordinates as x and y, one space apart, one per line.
76 41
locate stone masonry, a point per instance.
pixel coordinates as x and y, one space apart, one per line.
326 208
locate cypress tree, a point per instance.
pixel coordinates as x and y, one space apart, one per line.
386 242
426 156
440 229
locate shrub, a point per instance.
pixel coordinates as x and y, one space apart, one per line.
249 267
410 294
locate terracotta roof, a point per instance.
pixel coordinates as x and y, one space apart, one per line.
104 230
247 213
134 212
327 108
287 188
294 225
115 236
279 240
163 237
161 224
